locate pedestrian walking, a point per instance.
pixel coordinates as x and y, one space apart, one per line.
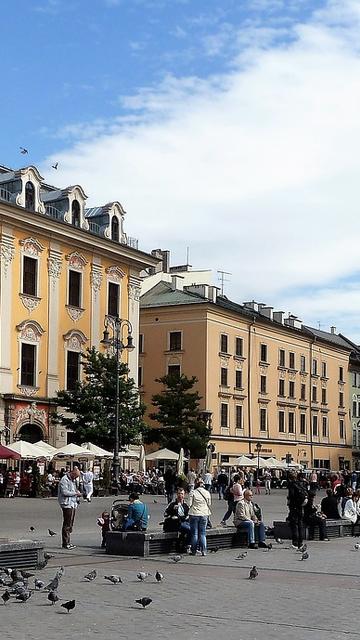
222 482
233 494
199 512
267 477
88 484
68 496
208 478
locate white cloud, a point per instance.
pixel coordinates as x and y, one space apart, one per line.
257 170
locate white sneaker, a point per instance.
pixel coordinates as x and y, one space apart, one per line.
295 547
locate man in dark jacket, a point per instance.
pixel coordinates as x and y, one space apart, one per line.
329 505
170 482
222 483
176 518
297 498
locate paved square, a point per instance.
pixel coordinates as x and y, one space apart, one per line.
205 598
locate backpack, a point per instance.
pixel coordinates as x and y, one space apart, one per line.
227 493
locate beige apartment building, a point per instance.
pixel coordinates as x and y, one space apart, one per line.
263 378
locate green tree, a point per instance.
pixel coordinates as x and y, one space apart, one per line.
179 415
92 403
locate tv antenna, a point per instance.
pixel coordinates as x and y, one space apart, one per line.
222 279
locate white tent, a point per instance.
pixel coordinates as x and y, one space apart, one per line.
46 446
73 451
163 454
273 463
97 451
29 451
244 461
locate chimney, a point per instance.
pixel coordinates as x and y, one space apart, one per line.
333 330
266 311
293 321
278 316
213 291
164 261
251 305
177 283
201 289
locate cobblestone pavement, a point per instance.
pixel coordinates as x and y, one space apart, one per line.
203 598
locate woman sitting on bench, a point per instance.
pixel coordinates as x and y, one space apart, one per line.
314 518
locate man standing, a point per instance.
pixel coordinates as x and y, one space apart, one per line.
208 478
88 484
297 499
68 495
222 482
267 476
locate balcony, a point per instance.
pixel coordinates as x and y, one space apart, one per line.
94 228
5 194
53 212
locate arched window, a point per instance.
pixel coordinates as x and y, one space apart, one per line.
31 433
115 229
75 210
30 196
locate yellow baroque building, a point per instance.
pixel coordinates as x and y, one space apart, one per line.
263 378
65 270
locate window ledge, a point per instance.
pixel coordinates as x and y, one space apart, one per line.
239 358
224 354
242 389
171 351
29 301
292 370
324 378
75 313
28 390
262 363
315 375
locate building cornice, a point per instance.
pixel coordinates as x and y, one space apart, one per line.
33 222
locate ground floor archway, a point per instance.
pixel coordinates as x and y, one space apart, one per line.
31 433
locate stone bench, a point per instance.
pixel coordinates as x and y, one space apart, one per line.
150 543
335 529
22 554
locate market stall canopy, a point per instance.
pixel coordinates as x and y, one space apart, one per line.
97 451
163 454
8 454
73 451
129 453
29 451
273 463
45 445
244 461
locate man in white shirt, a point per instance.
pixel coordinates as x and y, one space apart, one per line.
208 481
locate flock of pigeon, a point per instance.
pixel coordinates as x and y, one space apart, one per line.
25 152
16 585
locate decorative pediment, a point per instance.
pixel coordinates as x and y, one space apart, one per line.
74 340
31 246
115 273
29 173
76 260
30 330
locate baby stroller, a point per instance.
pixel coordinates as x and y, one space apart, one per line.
118 513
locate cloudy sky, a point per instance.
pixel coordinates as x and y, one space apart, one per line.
229 126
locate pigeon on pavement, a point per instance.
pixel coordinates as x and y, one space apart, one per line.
52 533
159 576
48 556
214 549
176 558
24 596
357 546
60 572
54 584
26 575
305 555
253 573
142 575
69 605
53 597
39 584
31 528
114 579
242 555
144 602
5 596
91 576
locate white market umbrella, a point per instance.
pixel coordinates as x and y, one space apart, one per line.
129 453
46 446
73 451
273 463
180 462
142 464
163 454
28 451
244 461
97 451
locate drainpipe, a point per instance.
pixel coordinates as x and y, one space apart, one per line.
310 404
249 380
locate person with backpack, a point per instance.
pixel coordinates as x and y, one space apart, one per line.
233 493
199 512
296 500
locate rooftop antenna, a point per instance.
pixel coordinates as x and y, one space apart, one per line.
319 324
222 279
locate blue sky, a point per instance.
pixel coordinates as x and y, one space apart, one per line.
230 126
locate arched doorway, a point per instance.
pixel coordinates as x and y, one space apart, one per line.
31 433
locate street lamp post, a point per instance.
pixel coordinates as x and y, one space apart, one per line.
117 342
258 448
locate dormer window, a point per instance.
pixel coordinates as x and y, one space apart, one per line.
30 196
75 213
115 229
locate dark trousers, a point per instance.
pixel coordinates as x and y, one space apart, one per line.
68 521
296 523
317 522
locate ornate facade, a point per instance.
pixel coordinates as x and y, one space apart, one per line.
63 270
